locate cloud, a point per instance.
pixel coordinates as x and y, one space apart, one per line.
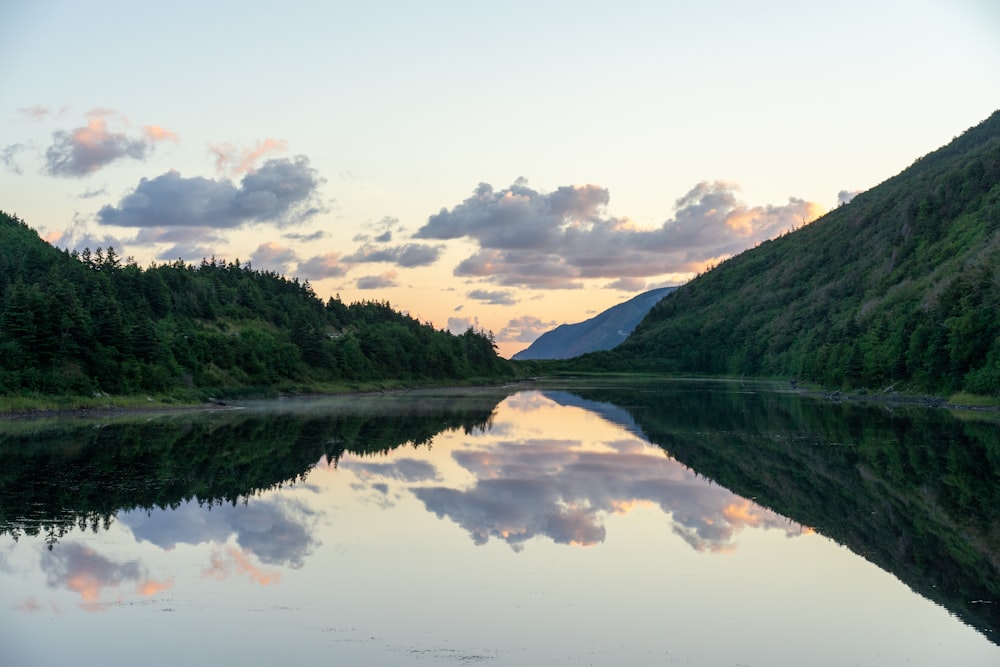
559 239
273 257
282 192
381 231
524 329
177 235
83 150
322 266
306 238
517 218
88 573
628 284
37 112
9 157
497 298
156 133
235 161
91 194
406 256
78 237
459 325
190 252
845 196
387 279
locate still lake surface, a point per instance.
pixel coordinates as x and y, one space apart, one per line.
642 523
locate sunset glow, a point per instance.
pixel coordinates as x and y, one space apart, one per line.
384 167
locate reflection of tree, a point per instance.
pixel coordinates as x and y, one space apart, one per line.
75 474
913 490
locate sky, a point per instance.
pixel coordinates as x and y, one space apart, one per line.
509 166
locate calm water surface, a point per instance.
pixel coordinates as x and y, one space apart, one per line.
574 525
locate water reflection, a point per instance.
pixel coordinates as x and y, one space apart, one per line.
563 488
94 577
276 530
292 499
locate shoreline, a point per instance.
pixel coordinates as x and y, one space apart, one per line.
25 414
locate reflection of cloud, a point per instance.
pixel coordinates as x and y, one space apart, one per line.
31 605
223 564
407 470
84 571
373 476
275 530
553 488
555 240
526 401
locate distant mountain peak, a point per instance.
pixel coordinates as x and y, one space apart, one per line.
601 332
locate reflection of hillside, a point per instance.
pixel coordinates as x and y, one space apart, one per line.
56 476
912 490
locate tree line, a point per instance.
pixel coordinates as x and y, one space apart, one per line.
88 322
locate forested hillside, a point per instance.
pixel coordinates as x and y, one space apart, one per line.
899 288
79 324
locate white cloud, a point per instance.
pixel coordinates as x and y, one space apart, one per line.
408 255
273 257
387 279
494 298
459 325
282 192
329 265
559 239
235 161
524 329
84 150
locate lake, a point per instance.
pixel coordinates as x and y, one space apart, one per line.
641 522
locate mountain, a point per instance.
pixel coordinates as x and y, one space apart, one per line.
89 323
899 289
601 332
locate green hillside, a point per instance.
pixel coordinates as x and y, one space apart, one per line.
92 323
900 287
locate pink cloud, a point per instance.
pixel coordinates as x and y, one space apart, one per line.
234 161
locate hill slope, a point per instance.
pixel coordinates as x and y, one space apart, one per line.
80 324
901 287
601 332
